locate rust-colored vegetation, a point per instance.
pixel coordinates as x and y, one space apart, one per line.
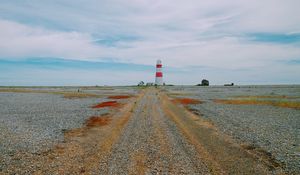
92 122
119 97
285 104
95 121
187 101
107 104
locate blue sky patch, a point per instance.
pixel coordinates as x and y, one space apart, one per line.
58 63
112 41
275 38
291 62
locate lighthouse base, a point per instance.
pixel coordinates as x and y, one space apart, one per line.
158 81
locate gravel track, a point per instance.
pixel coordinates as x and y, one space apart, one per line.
151 144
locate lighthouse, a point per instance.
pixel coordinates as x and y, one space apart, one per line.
159 74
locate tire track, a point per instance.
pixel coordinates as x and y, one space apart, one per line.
151 144
220 152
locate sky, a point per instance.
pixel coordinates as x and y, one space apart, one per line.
117 42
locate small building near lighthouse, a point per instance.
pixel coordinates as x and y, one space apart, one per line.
158 74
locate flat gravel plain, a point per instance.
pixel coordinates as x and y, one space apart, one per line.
35 122
31 120
143 136
272 130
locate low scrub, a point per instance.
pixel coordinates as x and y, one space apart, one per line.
268 96
65 94
257 101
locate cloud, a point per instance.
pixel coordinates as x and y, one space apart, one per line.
228 36
268 16
19 40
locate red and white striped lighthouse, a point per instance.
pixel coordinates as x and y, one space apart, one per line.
159 74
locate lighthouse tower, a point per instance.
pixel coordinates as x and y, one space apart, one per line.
159 74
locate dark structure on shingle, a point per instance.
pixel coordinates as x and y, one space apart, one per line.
204 82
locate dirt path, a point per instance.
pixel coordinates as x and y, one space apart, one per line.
151 144
149 135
